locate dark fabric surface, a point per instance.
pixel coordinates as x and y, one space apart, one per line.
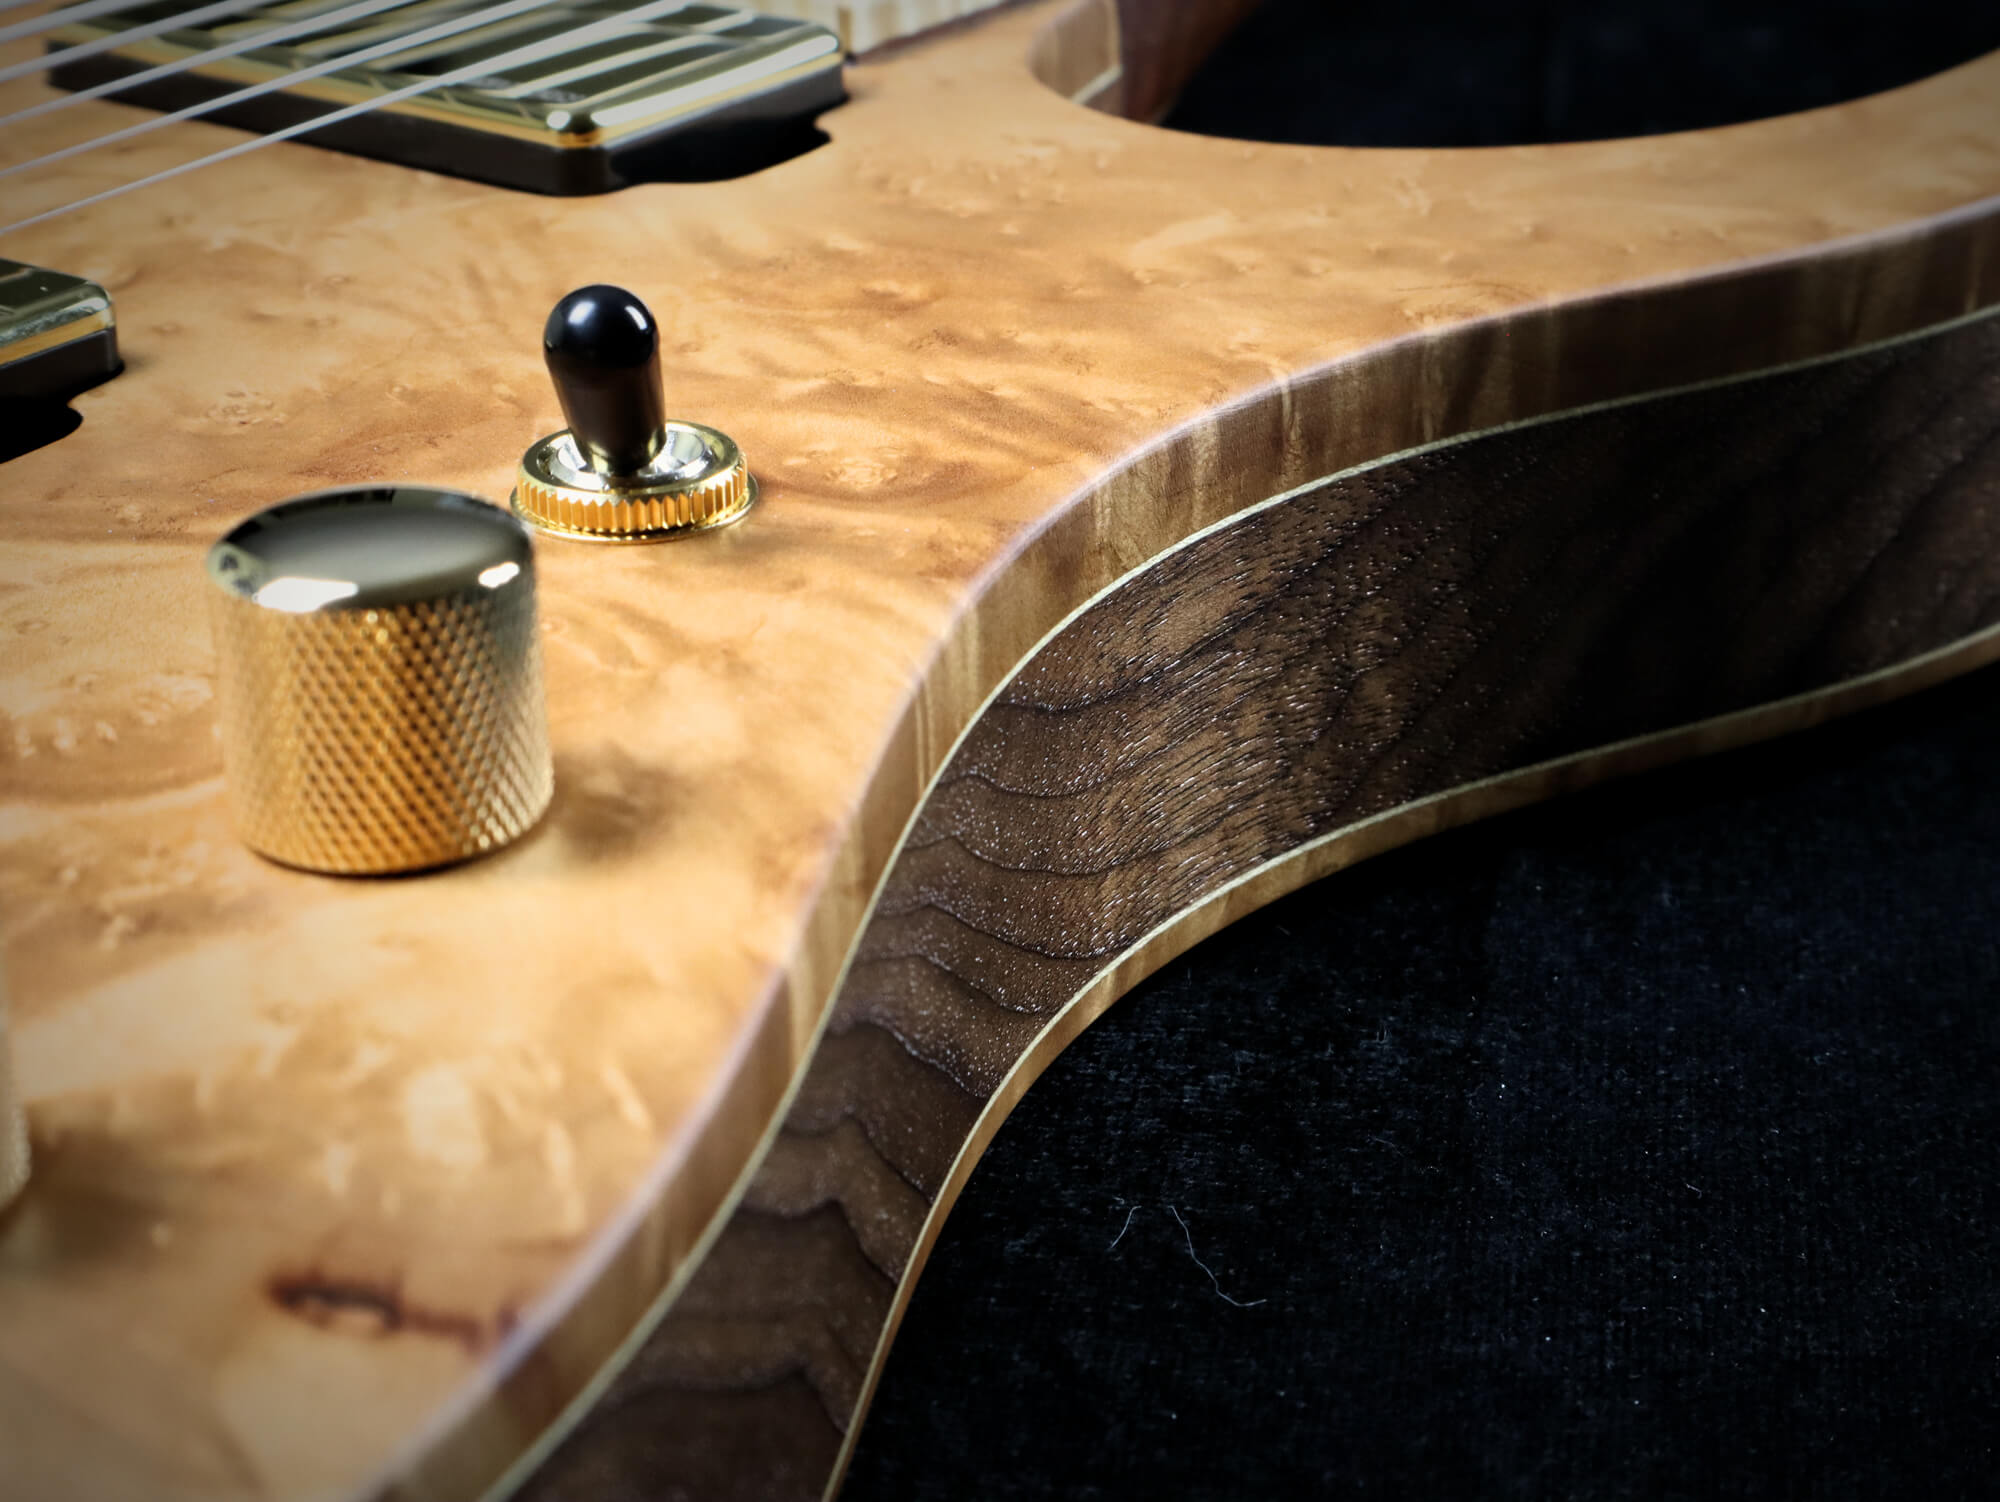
1642 1144
1501 72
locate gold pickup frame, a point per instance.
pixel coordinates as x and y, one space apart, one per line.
56 334
574 98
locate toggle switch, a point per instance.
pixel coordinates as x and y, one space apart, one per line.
622 471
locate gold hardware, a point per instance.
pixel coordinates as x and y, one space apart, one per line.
381 688
557 491
622 471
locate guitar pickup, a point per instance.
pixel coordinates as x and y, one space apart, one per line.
554 98
57 334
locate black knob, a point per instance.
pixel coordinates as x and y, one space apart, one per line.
603 352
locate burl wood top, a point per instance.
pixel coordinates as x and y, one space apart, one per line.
320 1162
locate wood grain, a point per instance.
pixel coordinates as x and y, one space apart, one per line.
1408 633
350 1187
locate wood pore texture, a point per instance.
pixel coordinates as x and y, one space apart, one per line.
348 1188
1422 625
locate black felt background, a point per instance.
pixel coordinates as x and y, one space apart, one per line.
1638 1145
1642 1145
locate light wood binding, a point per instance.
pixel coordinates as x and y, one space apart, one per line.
427 1149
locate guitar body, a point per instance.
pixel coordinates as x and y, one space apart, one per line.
1149 525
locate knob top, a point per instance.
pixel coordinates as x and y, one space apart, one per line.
602 348
362 548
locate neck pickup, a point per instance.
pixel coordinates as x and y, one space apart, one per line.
552 98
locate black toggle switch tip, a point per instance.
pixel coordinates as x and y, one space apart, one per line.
603 352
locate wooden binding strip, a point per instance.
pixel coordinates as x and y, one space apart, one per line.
1405 646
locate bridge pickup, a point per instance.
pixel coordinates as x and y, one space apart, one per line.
57 336
559 98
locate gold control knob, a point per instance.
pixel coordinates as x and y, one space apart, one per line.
381 685
621 471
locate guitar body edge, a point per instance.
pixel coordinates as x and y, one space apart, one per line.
1401 648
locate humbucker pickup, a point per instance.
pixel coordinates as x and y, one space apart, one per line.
553 98
56 334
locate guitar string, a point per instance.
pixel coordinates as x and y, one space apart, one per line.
438 32
323 21
69 15
219 11
593 31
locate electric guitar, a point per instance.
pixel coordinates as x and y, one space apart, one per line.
1149 525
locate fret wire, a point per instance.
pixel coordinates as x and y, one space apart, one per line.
438 32
219 10
593 31
63 15
269 38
